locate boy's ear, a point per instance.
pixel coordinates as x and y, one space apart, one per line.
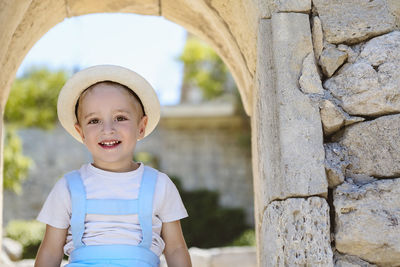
78 128
142 126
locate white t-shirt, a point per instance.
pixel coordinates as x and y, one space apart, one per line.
113 229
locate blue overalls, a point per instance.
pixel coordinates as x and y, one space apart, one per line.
112 255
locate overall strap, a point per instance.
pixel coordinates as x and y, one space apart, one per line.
146 194
78 201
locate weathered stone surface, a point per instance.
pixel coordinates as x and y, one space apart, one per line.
296 232
374 147
368 221
394 7
352 54
335 163
310 82
360 179
371 86
301 151
290 5
11 14
382 49
12 248
333 118
341 260
37 18
81 7
241 17
317 37
331 59
352 21
264 127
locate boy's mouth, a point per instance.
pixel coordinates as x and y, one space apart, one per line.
109 144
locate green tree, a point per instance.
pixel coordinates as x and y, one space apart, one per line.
16 165
32 102
33 99
204 68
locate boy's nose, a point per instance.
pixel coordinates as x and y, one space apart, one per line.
108 127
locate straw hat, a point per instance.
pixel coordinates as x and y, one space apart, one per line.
81 80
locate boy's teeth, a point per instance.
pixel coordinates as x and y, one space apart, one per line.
109 143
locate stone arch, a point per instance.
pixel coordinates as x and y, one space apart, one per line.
229 29
264 43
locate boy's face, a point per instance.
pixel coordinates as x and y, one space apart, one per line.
110 126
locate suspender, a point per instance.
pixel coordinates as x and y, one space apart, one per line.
143 206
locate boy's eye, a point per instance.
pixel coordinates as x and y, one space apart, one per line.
121 118
93 121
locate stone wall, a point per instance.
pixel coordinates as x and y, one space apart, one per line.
357 53
203 150
328 81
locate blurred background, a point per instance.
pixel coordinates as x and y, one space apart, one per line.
202 141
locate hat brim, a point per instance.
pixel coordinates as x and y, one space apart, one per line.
81 80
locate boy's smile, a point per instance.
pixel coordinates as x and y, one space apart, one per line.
109 125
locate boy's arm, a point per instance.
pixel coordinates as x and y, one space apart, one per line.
51 250
176 252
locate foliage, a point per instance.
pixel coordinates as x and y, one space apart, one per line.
32 102
248 238
33 98
28 233
209 225
204 68
16 165
147 159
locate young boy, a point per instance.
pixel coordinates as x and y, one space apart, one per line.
114 211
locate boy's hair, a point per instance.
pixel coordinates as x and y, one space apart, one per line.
110 83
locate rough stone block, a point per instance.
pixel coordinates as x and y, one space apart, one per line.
301 152
368 221
296 232
335 163
373 147
333 118
317 37
264 124
341 260
352 21
331 59
371 85
310 82
290 5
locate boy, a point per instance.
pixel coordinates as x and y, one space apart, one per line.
114 211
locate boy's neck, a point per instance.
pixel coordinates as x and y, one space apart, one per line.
127 168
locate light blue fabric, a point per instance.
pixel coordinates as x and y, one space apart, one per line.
113 255
78 202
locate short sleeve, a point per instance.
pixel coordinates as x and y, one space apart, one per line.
169 205
56 210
